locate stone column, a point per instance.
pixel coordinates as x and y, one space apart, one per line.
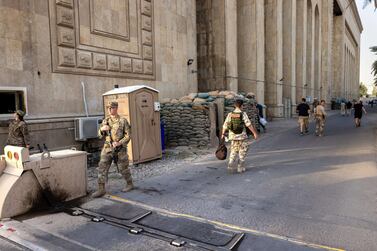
348 68
279 40
312 69
338 54
274 57
343 85
293 58
353 75
260 51
231 44
357 71
326 31
300 48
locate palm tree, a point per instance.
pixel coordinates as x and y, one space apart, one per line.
366 2
374 65
373 48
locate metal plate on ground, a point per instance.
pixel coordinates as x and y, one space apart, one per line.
121 211
193 230
97 236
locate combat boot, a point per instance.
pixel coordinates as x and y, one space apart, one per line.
100 192
241 168
128 187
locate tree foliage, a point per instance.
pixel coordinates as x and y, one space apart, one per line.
373 48
367 2
374 65
363 90
374 91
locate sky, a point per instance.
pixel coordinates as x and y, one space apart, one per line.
368 17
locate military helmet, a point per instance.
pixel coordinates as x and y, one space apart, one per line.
112 104
20 113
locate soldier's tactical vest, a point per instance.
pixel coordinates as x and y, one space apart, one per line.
116 133
236 124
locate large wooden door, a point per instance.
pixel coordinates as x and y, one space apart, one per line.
147 126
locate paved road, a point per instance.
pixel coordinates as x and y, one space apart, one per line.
316 190
319 190
7 245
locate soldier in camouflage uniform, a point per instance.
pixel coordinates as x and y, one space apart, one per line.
116 131
236 123
18 131
320 118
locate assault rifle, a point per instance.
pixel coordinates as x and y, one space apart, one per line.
114 152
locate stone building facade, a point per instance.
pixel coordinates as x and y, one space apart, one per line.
49 47
55 51
282 50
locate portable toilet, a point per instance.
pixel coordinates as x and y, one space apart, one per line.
139 105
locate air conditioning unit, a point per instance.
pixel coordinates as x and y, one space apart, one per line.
87 128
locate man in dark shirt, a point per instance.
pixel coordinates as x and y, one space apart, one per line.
303 110
359 109
348 107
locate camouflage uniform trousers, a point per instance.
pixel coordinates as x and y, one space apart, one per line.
105 163
319 125
238 147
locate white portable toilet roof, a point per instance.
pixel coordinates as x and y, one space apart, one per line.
128 89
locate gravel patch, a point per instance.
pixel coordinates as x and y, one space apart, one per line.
172 159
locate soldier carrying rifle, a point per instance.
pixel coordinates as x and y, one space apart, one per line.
116 131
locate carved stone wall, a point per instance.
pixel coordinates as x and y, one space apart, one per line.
211 44
111 38
49 47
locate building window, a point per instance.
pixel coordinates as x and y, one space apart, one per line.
12 99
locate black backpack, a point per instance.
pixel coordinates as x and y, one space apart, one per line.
236 124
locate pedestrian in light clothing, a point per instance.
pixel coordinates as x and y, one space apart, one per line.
343 108
116 131
320 118
303 110
18 134
236 124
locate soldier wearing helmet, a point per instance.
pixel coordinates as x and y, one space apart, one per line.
116 131
18 131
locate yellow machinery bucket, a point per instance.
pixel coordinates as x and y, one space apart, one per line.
28 180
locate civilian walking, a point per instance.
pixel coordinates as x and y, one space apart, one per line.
303 110
359 109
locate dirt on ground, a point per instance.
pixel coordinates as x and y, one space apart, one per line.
172 158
